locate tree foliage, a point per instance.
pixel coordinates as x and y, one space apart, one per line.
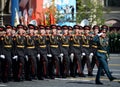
91 10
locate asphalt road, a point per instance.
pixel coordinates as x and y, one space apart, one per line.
114 65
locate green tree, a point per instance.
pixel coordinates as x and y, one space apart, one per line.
91 10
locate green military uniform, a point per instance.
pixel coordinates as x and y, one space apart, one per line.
55 51
6 46
65 50
102 55
31 64
86 50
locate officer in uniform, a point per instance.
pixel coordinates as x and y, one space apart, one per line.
6 46
65 52
55 51
86 50
102 54
31 65
19 40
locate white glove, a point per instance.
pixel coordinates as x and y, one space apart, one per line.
2 56
83 54
38 56
49 55
72 57
90 56
61 58
100 34
61 55
108 59
26 57
15 57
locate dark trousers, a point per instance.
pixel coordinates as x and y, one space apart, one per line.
87 61
55 63
103 65
7 65
18 65
31 64
65 64
42 66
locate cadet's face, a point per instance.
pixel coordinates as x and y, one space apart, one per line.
59 31
65 31
13 31
96 31
103 35
35 31
70 31
8 31
48 31
81 30
42 31
31 31
24 32
54 31
86 31
20 31
77 30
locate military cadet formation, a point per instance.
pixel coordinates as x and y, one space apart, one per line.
40 52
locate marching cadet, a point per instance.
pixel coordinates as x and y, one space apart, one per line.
93 48
31 66
86 50
14 55
2 32
42 68
6 46
102 54
55 51
70 30
60 33
49 55
76 51
19 40
65 52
